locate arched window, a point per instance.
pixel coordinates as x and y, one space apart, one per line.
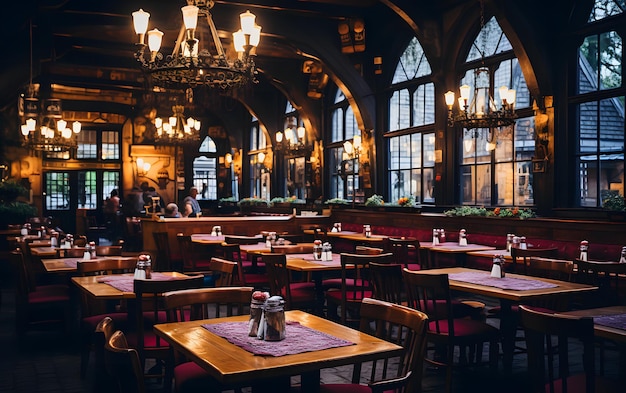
205 170
597 105
410 134
259 175
496 164
343 168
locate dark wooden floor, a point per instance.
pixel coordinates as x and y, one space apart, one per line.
48 361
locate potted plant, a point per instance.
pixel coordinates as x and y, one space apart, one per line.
615 205
13 211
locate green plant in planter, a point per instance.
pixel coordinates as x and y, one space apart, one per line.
463 211
11 210
227 201
614 201
337 201
375 200
10 190
253 201
277 200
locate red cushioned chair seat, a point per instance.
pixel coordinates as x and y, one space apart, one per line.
49 293
336 283
414 266
349 295
189 377
463 328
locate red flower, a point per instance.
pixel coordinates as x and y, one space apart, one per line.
496 211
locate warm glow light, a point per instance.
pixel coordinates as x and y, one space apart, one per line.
61 125
140 21
155 36
255 37
228 158
239 40
356 141
76 127
146 167
140 162
247 22
25 130
190 16
504 94
158 122
465 92
449 98
31 124
347 147
279 137
66 133
301 132
261 157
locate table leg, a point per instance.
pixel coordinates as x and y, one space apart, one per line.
508 329
310 382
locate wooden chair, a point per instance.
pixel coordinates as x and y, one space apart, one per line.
149 310
406 251
232 252
38 306
105 251
222 271
548 338
387 282
355 285
164 261
93 313
556 269
519 257
297 295
80 241
102 333
608 276
74 252
133 234
401 325
193 259
430 293
204 303
123 364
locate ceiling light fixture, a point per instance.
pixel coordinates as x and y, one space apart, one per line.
177 129
480 110
189 65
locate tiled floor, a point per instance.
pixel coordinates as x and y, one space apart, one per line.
49 362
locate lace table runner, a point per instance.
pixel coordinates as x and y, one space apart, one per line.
617 321
516 284
298 339
125 283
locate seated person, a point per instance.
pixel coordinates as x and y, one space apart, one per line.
171 211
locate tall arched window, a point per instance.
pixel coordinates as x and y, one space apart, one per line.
343 169
496 164
205 170
410 134
259 175
597 105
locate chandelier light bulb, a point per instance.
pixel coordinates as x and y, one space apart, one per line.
173 121
465 92
197 124
25 130
155 36
190 17
255 37
31 124
356 141
239 40
449 96
247 22
61 125
140 22
76 127
347 147
158 122
301 132
261 157
279 137
66 133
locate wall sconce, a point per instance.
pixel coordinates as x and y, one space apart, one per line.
353 149
228 159
378 65
292 138
143 167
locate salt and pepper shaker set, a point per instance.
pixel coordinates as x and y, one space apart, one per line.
336 227
367 230
90 251
143 271
267 317
216 231
497 269
322 251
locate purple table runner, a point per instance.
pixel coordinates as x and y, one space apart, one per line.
298 339
125 283
617 321
309 258
516 284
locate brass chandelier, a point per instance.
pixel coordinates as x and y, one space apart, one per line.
177 129
190 65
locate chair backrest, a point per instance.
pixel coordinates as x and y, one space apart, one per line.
557 269
222 270
23 281
403 326
204 303
278 275
108 250
355 280
161 240
430 293
406 250
519 257
540 328
123 364
242 239
608 276
80 241
387 282
232 252
149 303
187 252
74 252
367 250
102 333
96 267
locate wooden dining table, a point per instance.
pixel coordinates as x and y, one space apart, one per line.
617 334
69 265
543 289
451 248
95 288
231 364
